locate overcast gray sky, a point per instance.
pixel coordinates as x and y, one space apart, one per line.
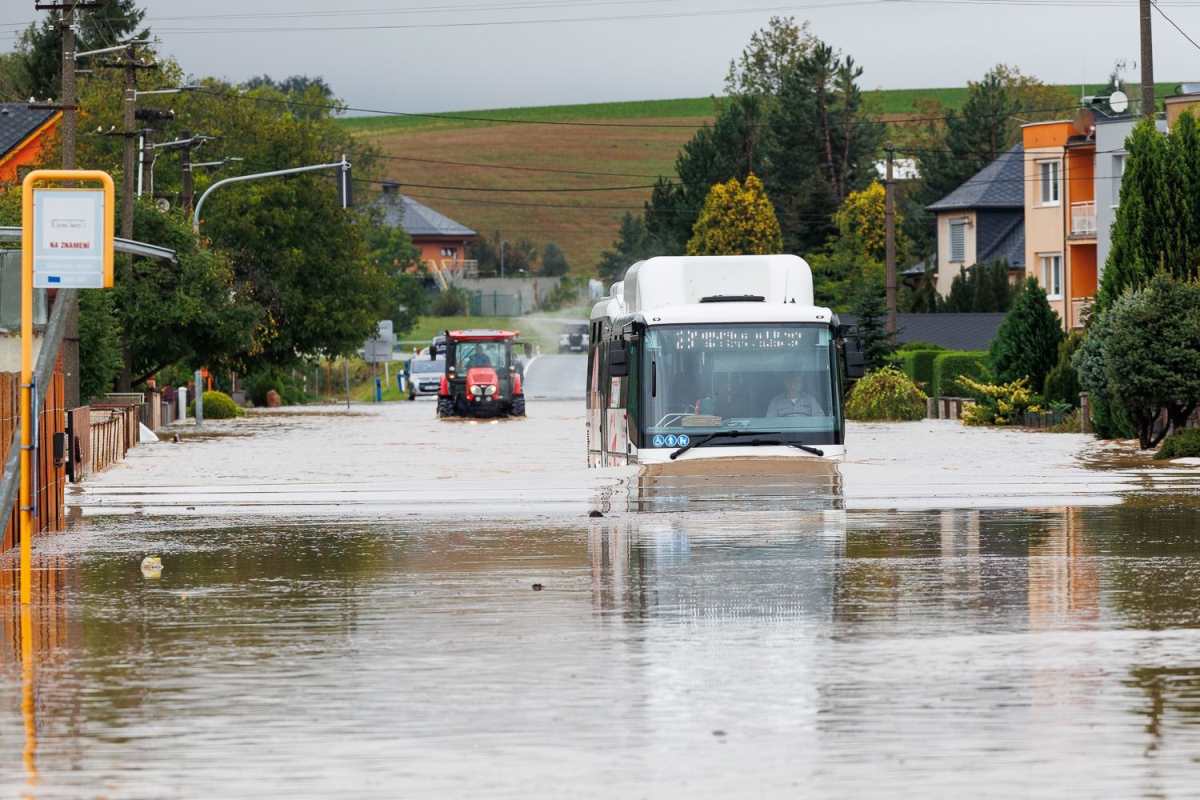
683 54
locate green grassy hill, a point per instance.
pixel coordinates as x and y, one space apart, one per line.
468 155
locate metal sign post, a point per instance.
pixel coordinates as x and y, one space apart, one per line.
66 242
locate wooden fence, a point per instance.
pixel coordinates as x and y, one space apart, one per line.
50 512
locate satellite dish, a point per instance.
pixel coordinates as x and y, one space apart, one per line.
1118 101
163 204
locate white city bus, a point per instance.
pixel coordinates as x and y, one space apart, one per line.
703 357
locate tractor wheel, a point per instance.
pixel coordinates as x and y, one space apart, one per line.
518 406
445 407
412 395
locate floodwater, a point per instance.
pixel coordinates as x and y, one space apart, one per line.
383 605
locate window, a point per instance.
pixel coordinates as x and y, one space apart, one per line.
448 252
1049 179
958 241
1052 275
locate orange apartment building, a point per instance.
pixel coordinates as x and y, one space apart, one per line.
1060 216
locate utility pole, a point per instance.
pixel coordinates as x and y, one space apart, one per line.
185 164
129 109
1147 60
68 85
889 216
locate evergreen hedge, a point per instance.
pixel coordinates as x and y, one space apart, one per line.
918 365
948 367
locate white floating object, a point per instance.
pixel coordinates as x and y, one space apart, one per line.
145 435
151 567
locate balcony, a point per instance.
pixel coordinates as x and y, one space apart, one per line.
1083 220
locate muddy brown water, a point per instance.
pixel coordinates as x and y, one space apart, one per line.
932 620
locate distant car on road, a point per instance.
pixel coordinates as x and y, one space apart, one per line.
424 376
574 339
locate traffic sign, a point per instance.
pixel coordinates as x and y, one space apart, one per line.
69 246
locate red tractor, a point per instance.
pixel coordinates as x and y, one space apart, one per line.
482 378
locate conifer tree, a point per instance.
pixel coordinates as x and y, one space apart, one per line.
871 330
1026 346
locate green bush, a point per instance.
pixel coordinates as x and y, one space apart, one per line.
451 302
886 394
950 366
258 384
217 405
1181 444
1000 403
1062 382
918 346
918 365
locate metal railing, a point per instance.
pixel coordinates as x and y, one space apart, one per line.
1083 219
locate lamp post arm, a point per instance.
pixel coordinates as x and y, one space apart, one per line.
255 176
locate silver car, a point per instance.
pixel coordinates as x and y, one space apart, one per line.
424 376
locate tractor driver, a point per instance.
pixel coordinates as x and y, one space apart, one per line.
478 358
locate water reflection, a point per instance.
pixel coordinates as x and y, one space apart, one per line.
946 651
34 636
727 485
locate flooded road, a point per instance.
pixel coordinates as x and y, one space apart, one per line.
382 605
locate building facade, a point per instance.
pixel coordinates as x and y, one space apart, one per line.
25 134
982 221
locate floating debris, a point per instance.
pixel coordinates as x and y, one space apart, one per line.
152 567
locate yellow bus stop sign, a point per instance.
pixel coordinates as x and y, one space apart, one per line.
66 243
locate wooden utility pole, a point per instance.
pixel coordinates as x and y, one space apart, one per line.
889 217
129 164
186 191
1147 60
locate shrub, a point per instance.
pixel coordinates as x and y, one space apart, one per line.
1062 382
1109 420
953 365
1026 346
886 394
1181 444
918 346
1150 355
217 405
918 365
1000 403
451 302
291 391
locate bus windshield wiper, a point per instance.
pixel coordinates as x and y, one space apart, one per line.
777 440
708 438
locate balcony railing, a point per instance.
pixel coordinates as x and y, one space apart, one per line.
1083 219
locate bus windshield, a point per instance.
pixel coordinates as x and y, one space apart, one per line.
776 378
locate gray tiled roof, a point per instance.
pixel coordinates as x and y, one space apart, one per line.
1001 184
1010 246
17 121
952 331
417 219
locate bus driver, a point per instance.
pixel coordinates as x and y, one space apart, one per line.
792 403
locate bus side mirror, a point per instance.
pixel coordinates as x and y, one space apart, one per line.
618 366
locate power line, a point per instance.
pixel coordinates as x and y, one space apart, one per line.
1174 25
